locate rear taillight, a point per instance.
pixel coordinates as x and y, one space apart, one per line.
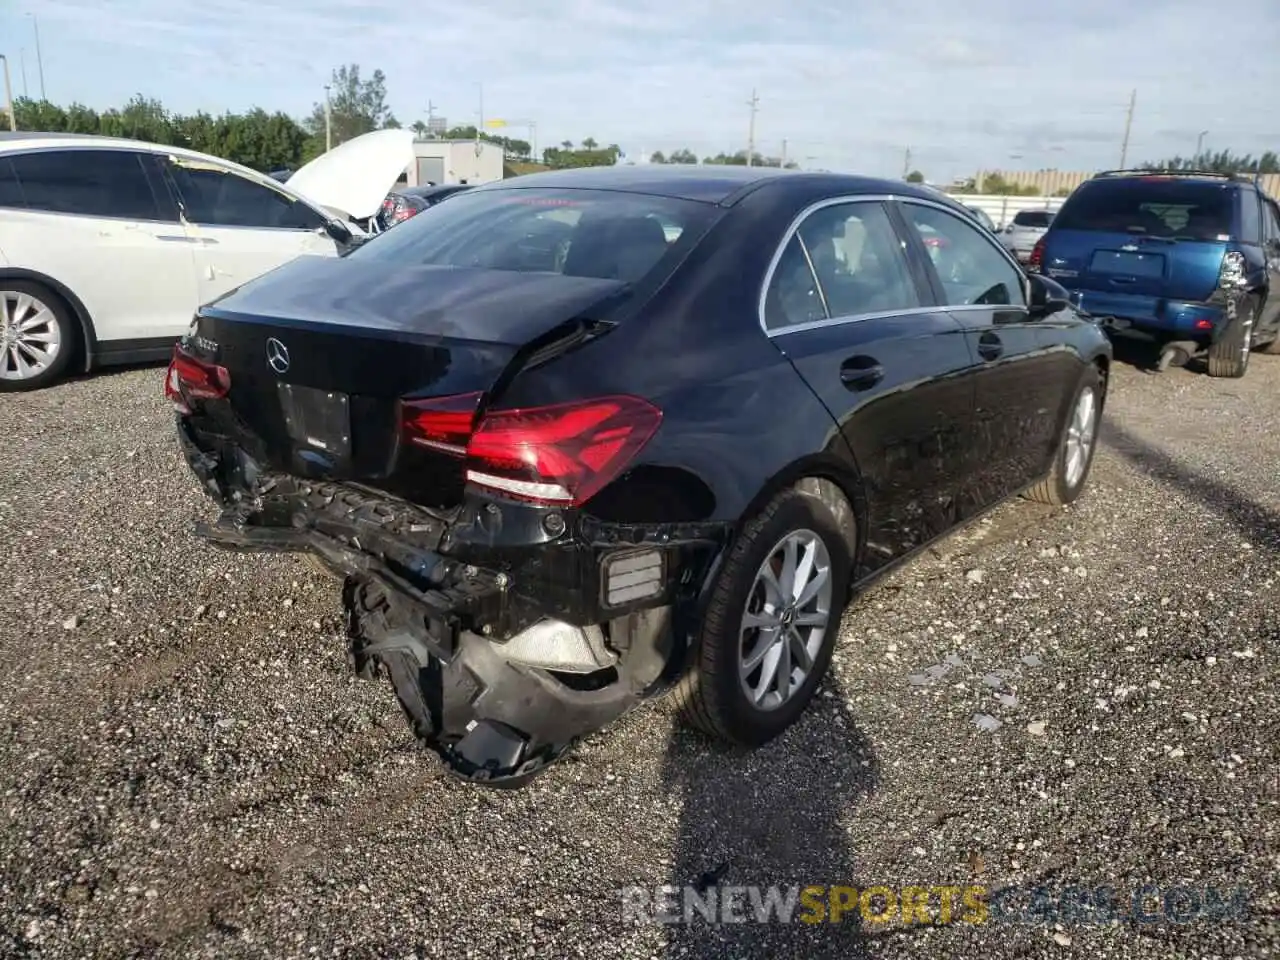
189 378
441 423
562 454
1036 260
402 214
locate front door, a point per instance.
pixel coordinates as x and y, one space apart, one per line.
859 324
241 229
1024 373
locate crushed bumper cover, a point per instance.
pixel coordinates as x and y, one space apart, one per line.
447 631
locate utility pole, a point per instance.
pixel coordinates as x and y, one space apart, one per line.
783 162
1128 125
22 67
1200 144
431 117
35 25
8 94
906 163
328 121
754 104
480 120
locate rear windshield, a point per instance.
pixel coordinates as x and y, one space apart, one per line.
579 233
1032 218
1174 209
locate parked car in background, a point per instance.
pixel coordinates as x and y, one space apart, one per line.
107 246
1024 230
404 203
1190 260
981 216
539 527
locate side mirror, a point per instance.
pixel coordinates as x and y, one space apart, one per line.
338 230
1046 296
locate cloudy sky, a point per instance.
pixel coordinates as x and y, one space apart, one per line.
850 85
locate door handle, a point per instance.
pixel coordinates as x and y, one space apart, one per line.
861 372
989 346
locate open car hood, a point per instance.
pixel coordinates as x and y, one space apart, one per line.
356 176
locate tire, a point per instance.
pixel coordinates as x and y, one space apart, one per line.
1229 353
711 695
21 302
1066 482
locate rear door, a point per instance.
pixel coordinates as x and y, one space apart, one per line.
852 310
240 229
1269 319
1157 236
99 222
1024 371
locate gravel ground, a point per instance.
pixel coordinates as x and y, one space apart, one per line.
188 770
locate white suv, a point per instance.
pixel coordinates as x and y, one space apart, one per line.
1027 227
108 246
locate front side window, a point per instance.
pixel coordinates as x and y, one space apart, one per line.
91 183
970 267
216 198
578 233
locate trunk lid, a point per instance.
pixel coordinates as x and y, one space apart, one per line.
1125 263
321 352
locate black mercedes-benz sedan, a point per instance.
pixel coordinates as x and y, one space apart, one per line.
582 437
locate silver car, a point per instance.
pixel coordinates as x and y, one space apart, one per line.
1020 235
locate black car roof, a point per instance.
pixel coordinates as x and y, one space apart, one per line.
709 183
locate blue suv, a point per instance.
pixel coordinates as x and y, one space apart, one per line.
1190 260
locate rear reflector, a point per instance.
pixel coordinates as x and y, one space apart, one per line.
189 378
562 454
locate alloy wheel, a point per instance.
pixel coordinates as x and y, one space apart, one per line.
30 338
786 619
1081 433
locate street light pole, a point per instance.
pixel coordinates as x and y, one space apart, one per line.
8 94
328 121
1200 144
35 25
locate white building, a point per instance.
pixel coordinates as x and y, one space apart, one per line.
454 161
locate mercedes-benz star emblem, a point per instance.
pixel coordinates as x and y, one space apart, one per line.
277 355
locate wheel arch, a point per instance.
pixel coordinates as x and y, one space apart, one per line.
832 480
88 340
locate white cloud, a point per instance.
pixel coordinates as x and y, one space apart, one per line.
850 85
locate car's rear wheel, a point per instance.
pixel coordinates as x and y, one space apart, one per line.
1229 352
37 334
1076 448
771 623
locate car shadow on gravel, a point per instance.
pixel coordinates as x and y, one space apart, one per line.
770 817
1255 523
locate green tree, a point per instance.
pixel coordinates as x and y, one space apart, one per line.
915 176
356 106
683 155
657 157
1223 161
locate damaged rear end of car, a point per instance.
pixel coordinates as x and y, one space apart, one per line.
354 410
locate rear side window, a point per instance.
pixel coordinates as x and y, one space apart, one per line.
214 198
1270 221
1151 206
580 233
92 183
1250 218
1032 218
